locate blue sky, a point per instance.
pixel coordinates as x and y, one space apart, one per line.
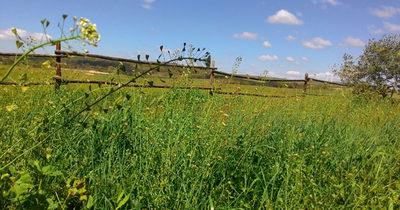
287 37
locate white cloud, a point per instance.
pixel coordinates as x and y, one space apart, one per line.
304 59
246 35
392 27
8 35
284 17
354 42
327 76
266 44
268 58
147 4
331 2
325 2
385 12
317 43
290 38
290 59
377 32
293 73
373 30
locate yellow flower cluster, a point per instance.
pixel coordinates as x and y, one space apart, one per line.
88 31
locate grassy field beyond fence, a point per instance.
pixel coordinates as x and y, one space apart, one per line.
187 149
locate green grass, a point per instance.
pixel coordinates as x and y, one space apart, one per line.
185 149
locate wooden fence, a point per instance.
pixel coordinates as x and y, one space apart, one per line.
59 80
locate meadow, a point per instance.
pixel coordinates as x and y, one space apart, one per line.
187 149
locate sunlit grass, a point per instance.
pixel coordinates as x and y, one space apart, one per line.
187 149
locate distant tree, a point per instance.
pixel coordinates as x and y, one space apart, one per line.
377 69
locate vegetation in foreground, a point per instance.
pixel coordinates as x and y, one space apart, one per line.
146 148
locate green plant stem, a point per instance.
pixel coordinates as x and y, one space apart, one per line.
31 50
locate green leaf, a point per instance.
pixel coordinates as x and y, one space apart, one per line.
51 171
120 196
123 201
25 178
151 83
14 31
90 202
161 48
19 44
64 16
42 21
138 57
147 57
52 203
47 23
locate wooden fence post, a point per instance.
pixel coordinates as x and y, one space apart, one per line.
212 76
306 79
58 67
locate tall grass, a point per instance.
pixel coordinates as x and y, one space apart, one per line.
187 149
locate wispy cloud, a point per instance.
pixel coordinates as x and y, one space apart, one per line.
24 34
392 27
290 38
376 31
385 12
246 35
353 42
148 4
324 3
284 17
268 58
331 2
317 43
328 76
304 59
293 73
290 59
266 44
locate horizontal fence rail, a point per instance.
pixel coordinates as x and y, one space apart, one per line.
67 53
59 54
265 79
